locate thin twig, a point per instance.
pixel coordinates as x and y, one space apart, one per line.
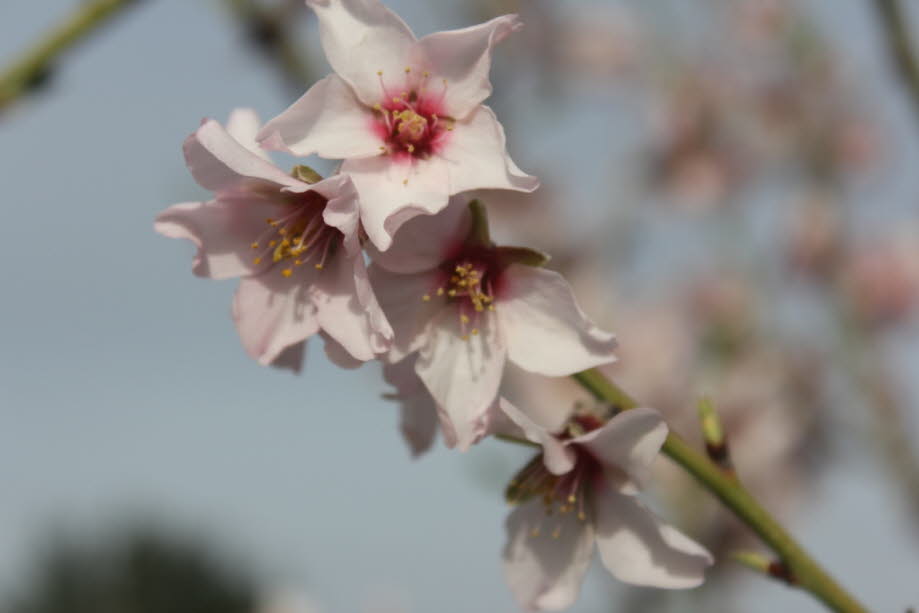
808 574
900 46
34 67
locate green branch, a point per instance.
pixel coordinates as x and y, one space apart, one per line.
803 571
35 65
896 34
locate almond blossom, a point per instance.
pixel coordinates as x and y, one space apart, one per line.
294 241
406 115
581 490
467 306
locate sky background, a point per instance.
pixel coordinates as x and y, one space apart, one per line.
124 391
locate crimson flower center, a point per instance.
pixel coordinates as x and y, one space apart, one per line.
410 122
469 286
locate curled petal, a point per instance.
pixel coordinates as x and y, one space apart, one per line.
220 163
272 315
462 372
629 443
547 333
637 548
243 125
361 38
558 458
477 157
463 58
327 120
546 557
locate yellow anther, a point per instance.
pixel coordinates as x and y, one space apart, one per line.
318 266
534 532
411 148
257 261
426 74
426 298
452 293
404 181
396 101
572 498
440 291
491 307
464 319
407 70
282 231
582 516
475 331
377 107
298 262
254 245
287 272
379 73
272 243
465 337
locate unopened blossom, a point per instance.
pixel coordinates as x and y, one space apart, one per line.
294 241
405 114
581 490
467 306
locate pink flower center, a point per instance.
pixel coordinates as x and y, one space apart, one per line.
299 237
468 284
561 494
411 122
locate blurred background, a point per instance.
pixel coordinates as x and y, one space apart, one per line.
730 186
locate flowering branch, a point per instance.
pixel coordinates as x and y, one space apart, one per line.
34 67
806 573
900 46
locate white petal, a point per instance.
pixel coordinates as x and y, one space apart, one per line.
327 120
425 241
546 331
462 375
545 572
557 457
394 191
218 162
272 315
463 58
636 547
361 38
400 297
629 442
243 125
419 414
476 154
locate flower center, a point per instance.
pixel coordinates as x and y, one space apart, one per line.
298 237
469 286
561 494
410 122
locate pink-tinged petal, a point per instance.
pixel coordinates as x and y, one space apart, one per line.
392 191
338 355
381 332
220 163
342 211
463 58
222 231
362 38
327 120
629 443
401 298
419 414
338 310
424 241
462 375
637 548
271 315
546 331
476 154
243 125
558 458
545 571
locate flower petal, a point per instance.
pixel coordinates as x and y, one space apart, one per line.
400 297
462 375
545 572
637 548
558 458
362 38
424 241
394 191
463 58
327 120
219 162
271 315
222 230
477 158
243 125
629 442
546 331
419 413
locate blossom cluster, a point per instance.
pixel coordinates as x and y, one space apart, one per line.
391 259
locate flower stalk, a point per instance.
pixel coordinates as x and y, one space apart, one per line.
34 67
808 574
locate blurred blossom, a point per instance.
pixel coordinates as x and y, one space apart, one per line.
881 279
815 239
598 41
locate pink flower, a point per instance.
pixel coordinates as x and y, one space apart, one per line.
406 115
294 243
466 307
582 489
